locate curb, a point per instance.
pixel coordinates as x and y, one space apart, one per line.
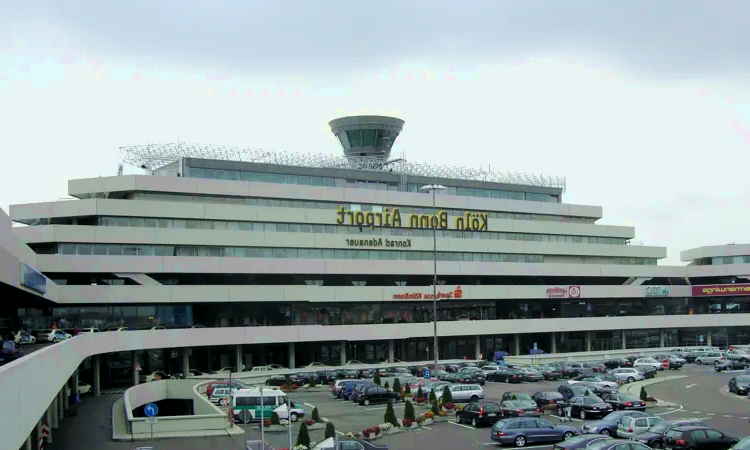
628 388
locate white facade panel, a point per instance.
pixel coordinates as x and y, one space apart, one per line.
719 270
715 251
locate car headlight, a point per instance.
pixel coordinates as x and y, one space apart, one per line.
643 441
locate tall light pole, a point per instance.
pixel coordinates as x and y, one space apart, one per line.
434 188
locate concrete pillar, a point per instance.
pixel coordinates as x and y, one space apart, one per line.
292 356
478 347
708 338
96 366
517 344
553 343
624 345
404 354
28 444
661 338
239 360
343 352
48 421
134 362
53 422
588 341
185 361
61 404
391 350
208 359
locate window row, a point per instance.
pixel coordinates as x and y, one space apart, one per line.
203 224
312 180
310 253
720 260
309 204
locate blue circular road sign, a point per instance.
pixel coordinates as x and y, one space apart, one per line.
426 373
151 410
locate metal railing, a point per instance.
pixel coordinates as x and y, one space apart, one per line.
258 445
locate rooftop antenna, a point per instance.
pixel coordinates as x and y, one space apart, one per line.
120 169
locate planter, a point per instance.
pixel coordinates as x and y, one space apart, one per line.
393 430
444 418
316 426
372 436
428 422
275 429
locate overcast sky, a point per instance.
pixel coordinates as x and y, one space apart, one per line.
642 105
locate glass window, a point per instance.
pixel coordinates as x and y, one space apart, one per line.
282 227
293 228
100 249
122 221
179 223
164 223
305 228
290 253
84 249
145 250
129 250
216 251
151 223
220 225
114 249
136 222
201 251
163 250
193 224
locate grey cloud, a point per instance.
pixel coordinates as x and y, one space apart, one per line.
670 38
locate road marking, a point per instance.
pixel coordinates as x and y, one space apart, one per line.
711 414
670 412
425 428
311 406
727 416
340 433
462 425
695 412
691 385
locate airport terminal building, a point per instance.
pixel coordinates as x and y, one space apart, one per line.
332 258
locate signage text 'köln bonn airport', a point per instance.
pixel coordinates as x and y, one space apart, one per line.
391 217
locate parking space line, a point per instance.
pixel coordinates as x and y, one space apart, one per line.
670 412
727 416
461 425
311 406
711 414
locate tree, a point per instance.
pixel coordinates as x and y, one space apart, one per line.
409 411
387 386
447 395
513 397
587 393
435 408
316 415
644 394
330 431
432 397
287 382
420 392
376 378
313 381
390 415
396 385
303 437
407 389
274 418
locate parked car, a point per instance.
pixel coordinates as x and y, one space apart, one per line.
648 362
624 401
675 362
591 378
572 370
743 444
615 363
608 424
223 383
377 394
471 375
479 413
513 396
647 371
156 375
569 391
464 393
616 444
527 430
738 355
710 358
692 356
595 367
740 385
545 398
23 338
506 375
597 388
731 365
630 426
280 380
628 374
359 388
531 374
697 437
56 335
489 368
654 436
520 408
589 406
580 442
10 352
550 372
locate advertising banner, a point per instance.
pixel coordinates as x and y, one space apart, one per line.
563 292
720 290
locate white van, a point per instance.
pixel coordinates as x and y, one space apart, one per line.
247 405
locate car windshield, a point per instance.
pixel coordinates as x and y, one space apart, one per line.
591 400
578 440
599 445
629 398
521 397
660 427
743 379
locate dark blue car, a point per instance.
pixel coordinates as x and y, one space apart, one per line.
527 430
346 392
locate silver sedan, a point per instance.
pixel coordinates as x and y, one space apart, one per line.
627 374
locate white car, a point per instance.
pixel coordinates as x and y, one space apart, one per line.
223 370
710 358
56 335
89 330
648 362
23 337
627 374
492 368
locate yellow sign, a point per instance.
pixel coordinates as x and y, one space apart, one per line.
391 218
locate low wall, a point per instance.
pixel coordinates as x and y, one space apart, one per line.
207 417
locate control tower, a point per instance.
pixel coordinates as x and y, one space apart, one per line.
367 136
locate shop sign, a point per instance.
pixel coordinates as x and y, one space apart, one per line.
391 218
33 279
657 291
379 242
720 290
449 295
563 292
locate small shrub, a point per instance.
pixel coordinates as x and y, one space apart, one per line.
309 422
396 385
266 423
287 382
408 411
435 409
274 418
303 437
313 382
587 393
442 413
447 395
419 420
644 394
432 397
420 393
315 415
367 432
330 431
450 406
387 386
390 415
376 429
428 415
376 378
407 423
407 389
294 386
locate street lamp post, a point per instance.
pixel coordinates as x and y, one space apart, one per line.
434 223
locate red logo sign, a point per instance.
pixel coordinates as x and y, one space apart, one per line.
457 293
665 363
563 291
720 290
